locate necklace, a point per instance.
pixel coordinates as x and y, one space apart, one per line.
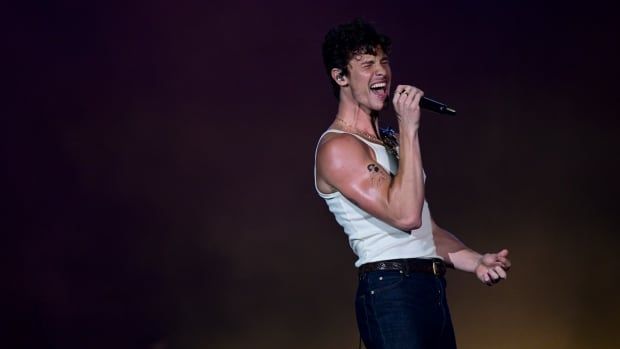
388 136
364 134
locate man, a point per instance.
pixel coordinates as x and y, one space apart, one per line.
374 185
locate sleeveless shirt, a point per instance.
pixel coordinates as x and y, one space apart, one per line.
370 238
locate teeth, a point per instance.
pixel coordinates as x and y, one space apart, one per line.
378 85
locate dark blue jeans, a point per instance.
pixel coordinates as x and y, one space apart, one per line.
396 310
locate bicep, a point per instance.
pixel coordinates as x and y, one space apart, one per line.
348 167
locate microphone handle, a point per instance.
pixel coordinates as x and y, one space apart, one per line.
435 106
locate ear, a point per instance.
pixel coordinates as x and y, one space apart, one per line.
340 78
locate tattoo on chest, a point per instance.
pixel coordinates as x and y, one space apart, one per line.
377 174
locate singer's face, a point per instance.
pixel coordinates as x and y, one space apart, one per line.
369 79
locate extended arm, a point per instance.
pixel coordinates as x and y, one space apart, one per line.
490 268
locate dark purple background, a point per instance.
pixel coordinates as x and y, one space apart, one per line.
159 171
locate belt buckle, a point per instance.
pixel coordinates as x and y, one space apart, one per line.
436 268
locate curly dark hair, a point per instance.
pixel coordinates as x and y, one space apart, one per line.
347 40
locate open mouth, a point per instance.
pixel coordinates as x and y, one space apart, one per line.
379 89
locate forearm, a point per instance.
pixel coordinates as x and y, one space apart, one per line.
455 252
465 259
406 192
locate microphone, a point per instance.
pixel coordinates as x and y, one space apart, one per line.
437 107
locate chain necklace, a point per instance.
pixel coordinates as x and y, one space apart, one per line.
388 137
347 127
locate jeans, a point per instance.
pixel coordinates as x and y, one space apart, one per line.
396 310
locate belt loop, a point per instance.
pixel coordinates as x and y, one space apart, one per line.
407 268
438 267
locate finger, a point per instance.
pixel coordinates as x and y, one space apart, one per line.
410 103
503 253
398 94
411 93
504 262
417 96
403 98
495 280
493 274
407 95
502 274
488 281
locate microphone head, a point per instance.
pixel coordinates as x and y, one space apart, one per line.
448 111
436 106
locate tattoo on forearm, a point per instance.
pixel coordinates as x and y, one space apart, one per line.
377 175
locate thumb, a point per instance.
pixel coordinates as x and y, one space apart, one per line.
503 253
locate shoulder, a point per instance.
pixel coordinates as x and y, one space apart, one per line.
341 162
338 147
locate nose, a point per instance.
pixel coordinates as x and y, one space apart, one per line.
381 70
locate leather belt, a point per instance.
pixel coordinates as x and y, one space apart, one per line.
434 266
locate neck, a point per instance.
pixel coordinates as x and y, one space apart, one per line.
354 115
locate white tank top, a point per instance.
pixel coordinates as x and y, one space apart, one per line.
370 238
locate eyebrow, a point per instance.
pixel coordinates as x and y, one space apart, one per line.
371 59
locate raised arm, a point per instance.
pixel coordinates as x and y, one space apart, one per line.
348 165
